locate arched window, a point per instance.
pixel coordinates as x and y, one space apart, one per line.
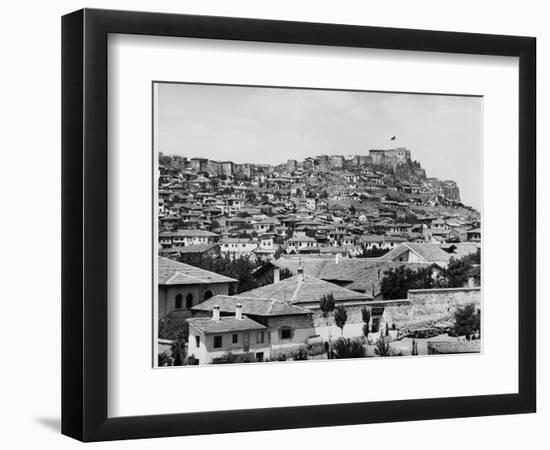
179 299
189 301
208 294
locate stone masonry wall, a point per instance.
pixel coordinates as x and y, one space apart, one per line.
430 306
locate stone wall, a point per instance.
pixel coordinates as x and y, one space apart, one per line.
425 307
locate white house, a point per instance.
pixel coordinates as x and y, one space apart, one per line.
215 336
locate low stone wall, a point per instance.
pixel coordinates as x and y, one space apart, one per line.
425 307
444 348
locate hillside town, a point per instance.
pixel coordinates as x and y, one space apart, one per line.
328 257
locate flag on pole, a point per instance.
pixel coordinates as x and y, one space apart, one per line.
392 138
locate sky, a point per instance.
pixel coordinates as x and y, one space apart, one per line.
271 125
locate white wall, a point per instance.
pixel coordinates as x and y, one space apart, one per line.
30 386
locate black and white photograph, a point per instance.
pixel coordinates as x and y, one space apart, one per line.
312 224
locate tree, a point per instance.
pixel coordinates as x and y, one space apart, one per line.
365 315
240 269
173 326
178 352
467 320
460 269
326 303
397 282
349 348
373 252
382 348
340 317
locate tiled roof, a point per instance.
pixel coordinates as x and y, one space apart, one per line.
310 290
189 233
235 241
251 306
225 325
302 239
433 253
175 273
269 221
362 273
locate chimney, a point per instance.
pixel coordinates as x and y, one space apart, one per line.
300 274
238 311
276 274
216 312
337 258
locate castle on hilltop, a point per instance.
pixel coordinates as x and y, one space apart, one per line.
391 157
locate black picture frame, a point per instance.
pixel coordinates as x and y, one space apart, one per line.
84 224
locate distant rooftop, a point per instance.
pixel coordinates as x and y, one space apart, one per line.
172 272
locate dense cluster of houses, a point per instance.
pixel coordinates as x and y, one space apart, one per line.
337 224
325 205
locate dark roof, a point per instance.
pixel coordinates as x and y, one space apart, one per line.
207 325
172 272
251 306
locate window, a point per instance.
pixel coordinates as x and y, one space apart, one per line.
189 301
260 336
208 294
286 333
178 301
235 338
197 341
218 341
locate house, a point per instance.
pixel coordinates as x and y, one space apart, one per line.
235 248
215 336
181 286
362 275
301 243
181 238
439 254
287 326
191 250
474 235
266 225
306 291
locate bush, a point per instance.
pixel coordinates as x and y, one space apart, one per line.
300 354
230 358
467 320
349 348
164 359
316 349
382 348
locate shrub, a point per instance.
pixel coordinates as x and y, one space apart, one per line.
164 359
349 348
316 349
467 320
382 348
300 354
173 326
230 358
179 352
